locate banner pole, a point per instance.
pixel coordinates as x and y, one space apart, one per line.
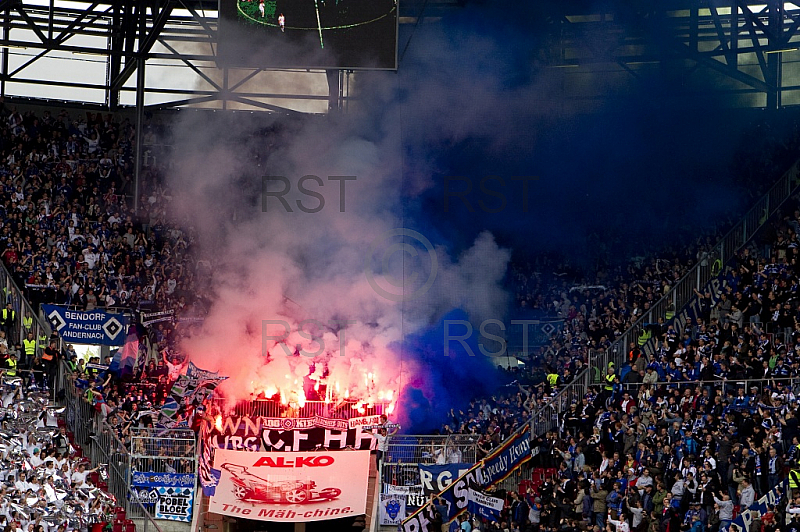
197 503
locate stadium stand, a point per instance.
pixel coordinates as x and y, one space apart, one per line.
699 420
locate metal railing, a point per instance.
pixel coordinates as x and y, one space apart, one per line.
101 445
159 451
726 386
11 293
661 388
405 453
677 298
710 264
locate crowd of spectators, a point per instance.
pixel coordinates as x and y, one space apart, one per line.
68 231
702 426
45 483
69 235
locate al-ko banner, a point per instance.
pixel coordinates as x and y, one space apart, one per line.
291 487
87 327
260 434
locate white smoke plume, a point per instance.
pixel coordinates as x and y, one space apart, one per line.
285 267
275 265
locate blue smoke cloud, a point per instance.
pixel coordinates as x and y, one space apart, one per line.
450 380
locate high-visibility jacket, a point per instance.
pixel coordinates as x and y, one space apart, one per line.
11 371
794 479
610 381
552 379
30 347
43 342
644 336
27 322
7 313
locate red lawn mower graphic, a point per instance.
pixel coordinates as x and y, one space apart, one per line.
249 487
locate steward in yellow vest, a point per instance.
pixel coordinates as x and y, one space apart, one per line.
11 366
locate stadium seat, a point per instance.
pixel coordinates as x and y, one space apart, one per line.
130 526
119 526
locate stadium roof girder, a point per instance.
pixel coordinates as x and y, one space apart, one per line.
716 34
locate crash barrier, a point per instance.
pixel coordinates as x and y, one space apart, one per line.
25 320
728 387
672 306
101 446
529 475
405 453
158 451
710 264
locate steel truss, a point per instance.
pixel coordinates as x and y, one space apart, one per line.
132 36
736 46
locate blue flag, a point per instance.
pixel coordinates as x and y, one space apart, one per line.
124 360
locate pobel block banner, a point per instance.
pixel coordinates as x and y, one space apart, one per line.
291 487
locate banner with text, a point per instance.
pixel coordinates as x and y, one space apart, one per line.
414 495
484 505
393 509
435 478
171 494
455 498
256 433
291 487
87 327
175 504
759 507
503 461
286 434
151 479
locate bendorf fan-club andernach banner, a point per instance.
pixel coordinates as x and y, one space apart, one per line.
291 487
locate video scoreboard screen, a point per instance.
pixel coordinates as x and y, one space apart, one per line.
347 34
